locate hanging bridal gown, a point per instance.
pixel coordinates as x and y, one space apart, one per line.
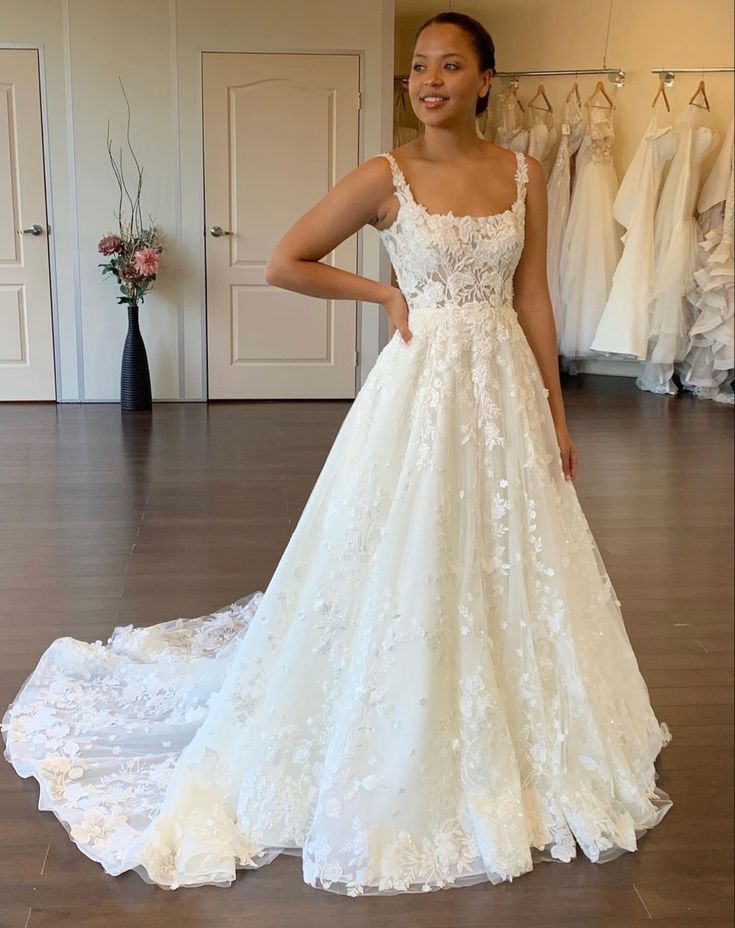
676 235
436 687
542 136
559 190
591 245
708 368
623 327
511 133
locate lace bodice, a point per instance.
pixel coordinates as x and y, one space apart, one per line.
600 135
451 266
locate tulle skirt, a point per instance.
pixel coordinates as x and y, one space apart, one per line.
436 688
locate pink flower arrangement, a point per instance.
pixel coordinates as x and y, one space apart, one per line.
146 261
110 245
134 260
135 251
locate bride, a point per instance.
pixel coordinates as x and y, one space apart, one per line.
437 687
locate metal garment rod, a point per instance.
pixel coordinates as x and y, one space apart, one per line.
687 70
668 75
614 73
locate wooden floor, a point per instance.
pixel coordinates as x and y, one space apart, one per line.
110 519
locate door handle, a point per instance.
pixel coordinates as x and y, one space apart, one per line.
35 229
217 231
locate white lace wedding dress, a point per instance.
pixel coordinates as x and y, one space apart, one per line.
591 246
623 326
436 687
559 195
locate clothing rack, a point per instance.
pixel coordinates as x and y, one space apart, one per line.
616 75
669 74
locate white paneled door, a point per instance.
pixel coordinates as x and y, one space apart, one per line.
279 131
26 332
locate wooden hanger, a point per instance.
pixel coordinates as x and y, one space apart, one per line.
401 101
599 88
701 90
541 93
514 90
575 91
661 92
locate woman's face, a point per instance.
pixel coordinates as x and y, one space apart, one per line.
444 66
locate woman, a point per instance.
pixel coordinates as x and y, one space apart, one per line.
436 687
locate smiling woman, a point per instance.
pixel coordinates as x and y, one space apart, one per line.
480 60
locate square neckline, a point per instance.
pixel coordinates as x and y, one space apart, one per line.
406 187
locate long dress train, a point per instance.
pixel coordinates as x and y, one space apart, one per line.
436 687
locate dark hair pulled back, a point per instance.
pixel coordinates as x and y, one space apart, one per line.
481 41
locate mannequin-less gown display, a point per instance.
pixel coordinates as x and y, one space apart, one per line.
541 136
436 687
511 133
591 246
709 366
623 327
676 237
559 197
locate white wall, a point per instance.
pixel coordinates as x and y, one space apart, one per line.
155 48
565 34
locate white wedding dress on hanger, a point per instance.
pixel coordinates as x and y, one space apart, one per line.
542 136
436 687
709 366
675 245
591 246
559 194
511 132
623 326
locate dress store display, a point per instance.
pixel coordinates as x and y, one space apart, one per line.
623 326
591 245
559 194
676 236
435 689
511 132
542 136
708 368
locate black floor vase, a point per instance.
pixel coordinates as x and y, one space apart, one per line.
135 378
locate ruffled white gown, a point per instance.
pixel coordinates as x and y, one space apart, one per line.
591 247
436 687
709 366
559 194
623 326
676 237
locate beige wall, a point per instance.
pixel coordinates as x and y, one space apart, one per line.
155 47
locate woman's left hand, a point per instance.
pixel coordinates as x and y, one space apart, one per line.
568 452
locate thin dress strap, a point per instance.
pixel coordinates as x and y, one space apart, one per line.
399 181
521 176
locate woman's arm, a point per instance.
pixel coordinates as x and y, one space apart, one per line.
354 201
532 302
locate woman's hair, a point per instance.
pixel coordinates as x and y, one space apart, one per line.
480 38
